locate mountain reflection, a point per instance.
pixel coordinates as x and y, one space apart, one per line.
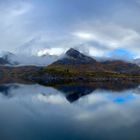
73 92
6 89
57 112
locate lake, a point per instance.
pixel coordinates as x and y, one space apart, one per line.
69 112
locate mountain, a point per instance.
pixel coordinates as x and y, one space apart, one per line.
8 58
78 63
23 59
137 61
75 57
5 58
73 67
120 66
4 61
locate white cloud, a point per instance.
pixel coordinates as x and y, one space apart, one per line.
52 99
13 30
95 36
50 51
84 35
108 36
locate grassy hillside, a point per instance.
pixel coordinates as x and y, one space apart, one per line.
83 70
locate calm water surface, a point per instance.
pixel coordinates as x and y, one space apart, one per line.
35 112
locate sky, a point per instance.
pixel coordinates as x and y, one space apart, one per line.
100 28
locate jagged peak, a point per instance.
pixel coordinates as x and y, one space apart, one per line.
72 52
72 56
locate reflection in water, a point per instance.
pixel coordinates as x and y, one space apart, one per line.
73 92
5 89
79 112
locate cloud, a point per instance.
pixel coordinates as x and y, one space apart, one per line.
50 51
109 36
97 28
13 25
52 99
84 35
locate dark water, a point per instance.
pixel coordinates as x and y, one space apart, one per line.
35 112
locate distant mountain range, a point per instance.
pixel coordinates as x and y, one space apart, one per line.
73 67
72 56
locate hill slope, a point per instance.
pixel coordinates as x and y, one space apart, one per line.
75 62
